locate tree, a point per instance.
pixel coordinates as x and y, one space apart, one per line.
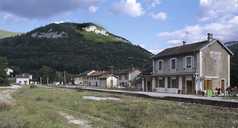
3 75
46 74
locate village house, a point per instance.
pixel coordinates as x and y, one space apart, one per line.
126 77
190 68
96 78
23 79
108 81
9 72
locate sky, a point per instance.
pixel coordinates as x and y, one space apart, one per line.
152 24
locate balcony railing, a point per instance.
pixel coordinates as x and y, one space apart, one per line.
175 71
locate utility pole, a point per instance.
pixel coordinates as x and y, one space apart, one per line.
47 80
64 78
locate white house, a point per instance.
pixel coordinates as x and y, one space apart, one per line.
95 78
9 71
89 78
109 81
23 79
126 77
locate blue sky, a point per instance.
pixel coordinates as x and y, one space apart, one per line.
153 24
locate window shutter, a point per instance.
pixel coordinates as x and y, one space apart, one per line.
184 63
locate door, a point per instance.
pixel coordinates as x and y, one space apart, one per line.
190 87
149 86
222 85
207 84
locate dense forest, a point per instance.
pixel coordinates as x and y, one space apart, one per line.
67 47
233 46
3 75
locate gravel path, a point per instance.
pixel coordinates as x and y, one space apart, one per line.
73 120
5 95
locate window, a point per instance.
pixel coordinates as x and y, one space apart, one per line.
160 65
173 64
173 83
188 62
127 77
161 82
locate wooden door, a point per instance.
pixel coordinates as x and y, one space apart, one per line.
222 85
190 87
207 84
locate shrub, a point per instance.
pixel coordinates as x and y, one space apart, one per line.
39 98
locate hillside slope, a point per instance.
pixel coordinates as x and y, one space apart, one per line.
4 34
71 47
234 62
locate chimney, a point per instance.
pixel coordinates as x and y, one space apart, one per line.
209 36
184 43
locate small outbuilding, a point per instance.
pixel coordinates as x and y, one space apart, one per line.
109 81
23 79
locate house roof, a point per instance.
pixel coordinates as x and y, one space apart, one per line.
107 75
183 49
24 75
188 48
92 73
98 73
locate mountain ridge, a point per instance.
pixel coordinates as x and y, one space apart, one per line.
68 47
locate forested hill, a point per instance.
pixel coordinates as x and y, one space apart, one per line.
71 47
233 46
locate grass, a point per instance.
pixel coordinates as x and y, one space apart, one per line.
4 34
40 107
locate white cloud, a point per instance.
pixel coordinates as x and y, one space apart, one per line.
204 2
93 9
154 3
219 17
130 7
225 31
234 20
40 9
159 16
11 17
155 51
218 9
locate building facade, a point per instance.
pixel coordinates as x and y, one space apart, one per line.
23 79
127 77
94 78
190 68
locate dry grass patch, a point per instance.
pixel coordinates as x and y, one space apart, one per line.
47 105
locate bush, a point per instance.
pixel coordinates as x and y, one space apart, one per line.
33 86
